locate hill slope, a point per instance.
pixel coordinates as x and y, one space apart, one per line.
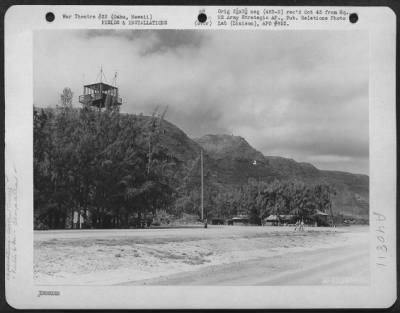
234 161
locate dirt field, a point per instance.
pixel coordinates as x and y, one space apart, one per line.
218 255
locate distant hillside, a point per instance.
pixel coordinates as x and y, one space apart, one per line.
352 192
234 161
174 139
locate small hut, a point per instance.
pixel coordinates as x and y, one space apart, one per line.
283 219
240 220
320 218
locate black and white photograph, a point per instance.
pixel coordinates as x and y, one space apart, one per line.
187 157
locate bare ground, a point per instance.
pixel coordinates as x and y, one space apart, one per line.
218 255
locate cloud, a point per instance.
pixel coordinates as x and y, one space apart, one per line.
151 41
300 94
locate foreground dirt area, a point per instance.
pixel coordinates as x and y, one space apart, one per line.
218 255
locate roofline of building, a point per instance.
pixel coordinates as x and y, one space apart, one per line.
101 83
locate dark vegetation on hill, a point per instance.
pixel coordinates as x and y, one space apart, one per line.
117 168
235 159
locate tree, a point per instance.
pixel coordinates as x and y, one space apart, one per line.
66 98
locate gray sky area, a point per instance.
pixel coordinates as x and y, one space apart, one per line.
296 94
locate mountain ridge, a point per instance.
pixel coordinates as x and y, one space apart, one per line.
202 141
235 157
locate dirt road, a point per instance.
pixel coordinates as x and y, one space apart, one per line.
338 266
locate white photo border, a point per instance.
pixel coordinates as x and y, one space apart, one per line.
22 293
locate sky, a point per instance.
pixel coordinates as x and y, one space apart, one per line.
296 94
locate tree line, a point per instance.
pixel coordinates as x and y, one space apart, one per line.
104 165
259 199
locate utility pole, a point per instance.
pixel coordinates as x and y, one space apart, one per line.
202 185
331 208
352 206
